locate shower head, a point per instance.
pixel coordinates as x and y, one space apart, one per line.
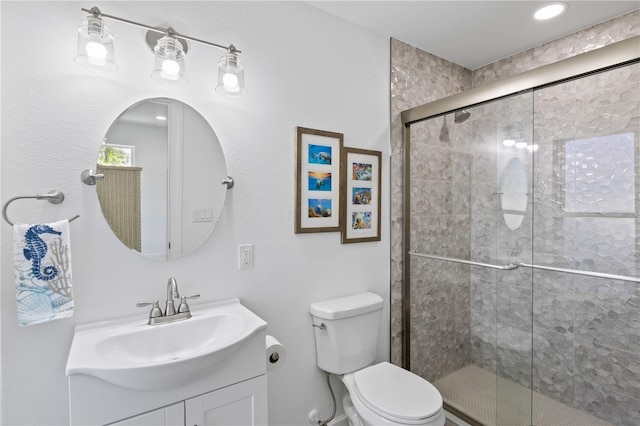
461 116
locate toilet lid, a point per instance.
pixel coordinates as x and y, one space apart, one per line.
397 394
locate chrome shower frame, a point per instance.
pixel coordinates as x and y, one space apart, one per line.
608 57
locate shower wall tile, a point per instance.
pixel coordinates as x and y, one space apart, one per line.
606 244
418 77
483 302
513 306
431 197
609 405
553 351
553 235
438 290
442 235
436 162
553 384
513 354
613 326
611 369
483 345
483 231
612 79
608 32
603 291
430 340
606 111
554 311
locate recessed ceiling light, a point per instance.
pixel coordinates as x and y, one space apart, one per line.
550 11
161 117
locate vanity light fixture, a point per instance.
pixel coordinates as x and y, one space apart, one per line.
95 49
550 11
95 45
230 74
169 61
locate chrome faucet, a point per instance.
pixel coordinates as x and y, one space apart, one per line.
172 293
157 317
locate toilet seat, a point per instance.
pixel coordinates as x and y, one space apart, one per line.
396 394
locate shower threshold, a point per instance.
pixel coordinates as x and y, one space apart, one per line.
475 393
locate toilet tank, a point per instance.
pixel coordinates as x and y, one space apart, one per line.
347 342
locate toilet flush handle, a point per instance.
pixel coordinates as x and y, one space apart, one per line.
322 326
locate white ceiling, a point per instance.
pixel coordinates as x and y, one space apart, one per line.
473 33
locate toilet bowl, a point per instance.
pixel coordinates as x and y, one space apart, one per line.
346 333
384 394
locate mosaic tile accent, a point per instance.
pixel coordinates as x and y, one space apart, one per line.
612 406
612 369
553 384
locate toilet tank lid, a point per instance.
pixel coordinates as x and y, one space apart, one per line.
345 307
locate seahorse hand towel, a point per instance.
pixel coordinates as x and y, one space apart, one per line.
42 259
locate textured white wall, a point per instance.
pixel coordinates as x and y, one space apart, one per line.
303 68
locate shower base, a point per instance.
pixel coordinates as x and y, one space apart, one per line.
476 393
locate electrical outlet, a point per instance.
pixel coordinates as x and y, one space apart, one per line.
245 256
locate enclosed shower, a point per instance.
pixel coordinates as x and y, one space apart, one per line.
521 231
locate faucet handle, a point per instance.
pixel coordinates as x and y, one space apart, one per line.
184 307
155 309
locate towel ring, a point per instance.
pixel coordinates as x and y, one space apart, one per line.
54 197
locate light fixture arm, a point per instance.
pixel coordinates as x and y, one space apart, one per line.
96 12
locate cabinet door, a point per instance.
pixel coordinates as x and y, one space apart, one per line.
242 404
173 415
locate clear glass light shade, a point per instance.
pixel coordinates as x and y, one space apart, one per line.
169 62
230 75
95 45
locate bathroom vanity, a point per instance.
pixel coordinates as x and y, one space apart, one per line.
207 370
240 404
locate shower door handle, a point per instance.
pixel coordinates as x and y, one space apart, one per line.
509 267
580 272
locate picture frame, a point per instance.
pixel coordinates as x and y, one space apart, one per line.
318 180
361 201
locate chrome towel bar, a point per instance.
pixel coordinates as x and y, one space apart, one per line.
512 266
54 197
467 262
579 272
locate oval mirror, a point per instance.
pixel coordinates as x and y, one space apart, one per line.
163 165
514 194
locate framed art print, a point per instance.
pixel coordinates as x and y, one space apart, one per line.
318 155
361 188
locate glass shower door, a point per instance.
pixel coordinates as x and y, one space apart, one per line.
471 200
515 150
523 254
586 329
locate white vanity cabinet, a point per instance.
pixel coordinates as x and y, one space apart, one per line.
237 405
172 415
241 404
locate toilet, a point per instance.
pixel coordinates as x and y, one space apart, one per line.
346 332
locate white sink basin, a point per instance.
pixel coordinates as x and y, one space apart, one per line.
135 355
